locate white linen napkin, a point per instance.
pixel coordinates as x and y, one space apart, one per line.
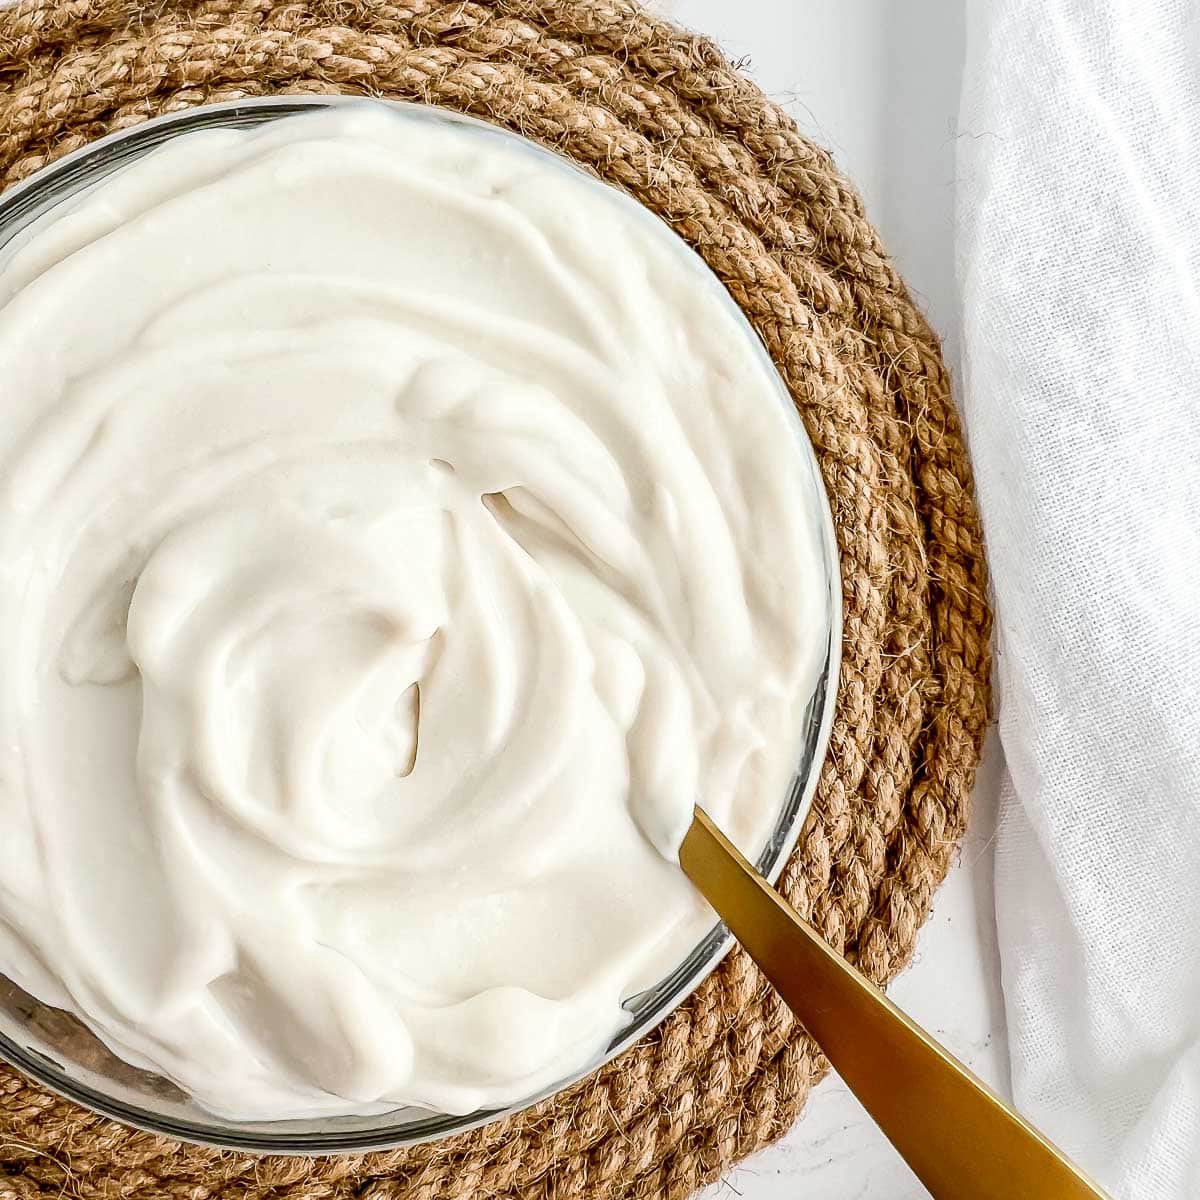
1079 268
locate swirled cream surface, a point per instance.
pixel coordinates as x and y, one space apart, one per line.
398 535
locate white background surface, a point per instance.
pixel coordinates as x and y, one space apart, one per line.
878 83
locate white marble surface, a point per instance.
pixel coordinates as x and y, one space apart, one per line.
878 83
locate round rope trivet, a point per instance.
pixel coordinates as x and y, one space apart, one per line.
663 115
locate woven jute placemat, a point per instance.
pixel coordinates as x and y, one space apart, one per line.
663 115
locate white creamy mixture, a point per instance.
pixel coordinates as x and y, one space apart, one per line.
398 535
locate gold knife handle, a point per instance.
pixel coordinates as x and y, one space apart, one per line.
961 1140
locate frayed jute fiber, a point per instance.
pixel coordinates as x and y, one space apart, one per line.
664 116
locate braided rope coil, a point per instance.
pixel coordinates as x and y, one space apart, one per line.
663 115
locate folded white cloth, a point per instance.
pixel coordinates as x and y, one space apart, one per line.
1079 267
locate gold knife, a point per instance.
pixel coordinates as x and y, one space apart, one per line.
961 1140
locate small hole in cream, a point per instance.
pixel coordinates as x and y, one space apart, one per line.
408 713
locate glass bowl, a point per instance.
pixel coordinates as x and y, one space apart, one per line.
56 1050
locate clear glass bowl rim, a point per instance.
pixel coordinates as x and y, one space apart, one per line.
63 178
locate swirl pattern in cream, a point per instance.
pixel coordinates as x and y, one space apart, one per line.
399 535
